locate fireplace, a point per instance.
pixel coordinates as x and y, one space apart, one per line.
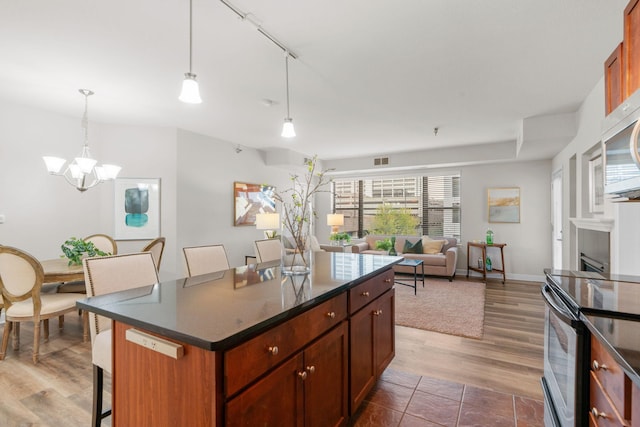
594 250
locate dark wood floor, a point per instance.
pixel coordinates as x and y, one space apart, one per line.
57 391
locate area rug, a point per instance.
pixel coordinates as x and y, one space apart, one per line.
455 308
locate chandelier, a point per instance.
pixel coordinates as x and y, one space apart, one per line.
82 172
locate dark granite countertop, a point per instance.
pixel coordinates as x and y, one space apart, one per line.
219 310
621 338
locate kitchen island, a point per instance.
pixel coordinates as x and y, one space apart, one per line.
247 346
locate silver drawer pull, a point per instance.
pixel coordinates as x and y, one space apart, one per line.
331 314
377 312
365 294
302 375
273 350
311 369
597 414
387 280
597 366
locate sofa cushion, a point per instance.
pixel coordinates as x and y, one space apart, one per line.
438 260
432 246
412 248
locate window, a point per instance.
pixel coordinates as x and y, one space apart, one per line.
434 200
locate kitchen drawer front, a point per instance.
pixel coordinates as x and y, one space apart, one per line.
611 376
601 408
249 360
367 291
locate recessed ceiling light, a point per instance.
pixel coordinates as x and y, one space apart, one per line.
268 102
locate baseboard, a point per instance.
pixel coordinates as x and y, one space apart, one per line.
510 276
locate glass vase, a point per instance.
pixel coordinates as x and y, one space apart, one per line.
295 234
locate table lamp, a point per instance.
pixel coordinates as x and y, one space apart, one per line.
335 221
270 222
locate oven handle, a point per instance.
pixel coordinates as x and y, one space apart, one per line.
563 314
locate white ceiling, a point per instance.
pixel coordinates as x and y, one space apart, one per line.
371 75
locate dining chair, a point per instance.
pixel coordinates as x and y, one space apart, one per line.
268 250
156 247
21 277
103 275
205 259
103 242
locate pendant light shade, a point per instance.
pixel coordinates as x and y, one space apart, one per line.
287 128
190 91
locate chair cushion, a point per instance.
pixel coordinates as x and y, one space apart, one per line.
101 350
432 246
51 304
412 248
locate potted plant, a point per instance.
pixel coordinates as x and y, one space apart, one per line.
383 245
340 237
76 249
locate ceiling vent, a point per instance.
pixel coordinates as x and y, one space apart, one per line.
381 161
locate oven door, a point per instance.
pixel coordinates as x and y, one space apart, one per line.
563 361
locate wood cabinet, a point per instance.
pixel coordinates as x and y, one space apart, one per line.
609 389
372 343
308 389
635 406
614 80
631 47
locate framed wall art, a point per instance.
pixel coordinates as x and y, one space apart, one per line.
137 208
596 185
504 204
251 199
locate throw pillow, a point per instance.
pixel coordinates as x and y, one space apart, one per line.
412 248
432 246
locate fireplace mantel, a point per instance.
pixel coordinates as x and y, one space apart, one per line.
598 224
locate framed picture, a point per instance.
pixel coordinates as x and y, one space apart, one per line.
596 185
137 208
251 199
504 204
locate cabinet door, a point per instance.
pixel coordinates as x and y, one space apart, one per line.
276 400
631 46
384 331
613 80
362 369
325 388
635 406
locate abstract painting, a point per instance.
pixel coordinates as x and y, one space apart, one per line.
137 208
504 204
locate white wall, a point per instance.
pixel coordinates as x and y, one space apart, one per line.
207 169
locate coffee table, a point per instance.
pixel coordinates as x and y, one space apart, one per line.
415 263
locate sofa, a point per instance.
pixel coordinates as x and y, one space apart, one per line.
439 262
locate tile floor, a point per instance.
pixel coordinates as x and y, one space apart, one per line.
402 399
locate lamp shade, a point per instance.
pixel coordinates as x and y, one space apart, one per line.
190 91
335 219
267 221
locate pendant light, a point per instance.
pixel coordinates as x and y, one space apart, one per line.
190 91
82 172
287 128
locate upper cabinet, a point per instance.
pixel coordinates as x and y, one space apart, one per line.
622 68
631 47
614 80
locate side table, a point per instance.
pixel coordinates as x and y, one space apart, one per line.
483 246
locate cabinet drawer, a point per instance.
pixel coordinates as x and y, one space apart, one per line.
611 376
253 358
367 291
601 410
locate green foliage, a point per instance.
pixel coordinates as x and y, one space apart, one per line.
75 249
341 236
390 220
384 245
